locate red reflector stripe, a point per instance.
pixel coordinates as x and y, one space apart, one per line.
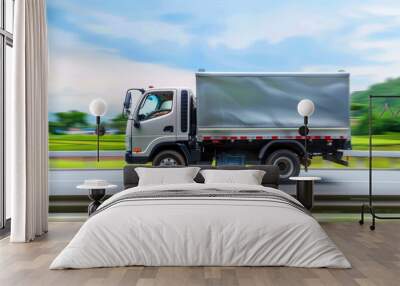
297 137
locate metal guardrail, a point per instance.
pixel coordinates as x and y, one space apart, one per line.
349 153
365 153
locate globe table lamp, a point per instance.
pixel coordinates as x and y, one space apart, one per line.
305 108
98 107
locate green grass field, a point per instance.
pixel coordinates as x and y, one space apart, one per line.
389 141
85 164
85 142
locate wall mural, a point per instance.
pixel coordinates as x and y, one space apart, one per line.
99 49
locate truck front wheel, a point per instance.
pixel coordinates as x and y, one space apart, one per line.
287 161
169 158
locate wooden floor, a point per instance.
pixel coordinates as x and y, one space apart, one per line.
375 257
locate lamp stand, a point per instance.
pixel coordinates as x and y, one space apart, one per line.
305 143
98 137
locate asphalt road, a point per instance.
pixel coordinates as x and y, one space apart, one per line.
334 182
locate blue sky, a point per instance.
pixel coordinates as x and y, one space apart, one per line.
100 48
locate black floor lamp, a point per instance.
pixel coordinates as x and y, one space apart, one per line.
98 108
305 108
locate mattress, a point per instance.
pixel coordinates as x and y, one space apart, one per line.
201 225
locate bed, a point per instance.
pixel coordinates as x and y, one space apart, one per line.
201 224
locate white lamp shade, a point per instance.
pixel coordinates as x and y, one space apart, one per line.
305 107
98 107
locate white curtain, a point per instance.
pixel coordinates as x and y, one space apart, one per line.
27 132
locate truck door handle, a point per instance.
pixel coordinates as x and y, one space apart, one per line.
169 128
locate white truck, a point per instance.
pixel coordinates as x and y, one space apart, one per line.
240 118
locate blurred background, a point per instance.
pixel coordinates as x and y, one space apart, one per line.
100 48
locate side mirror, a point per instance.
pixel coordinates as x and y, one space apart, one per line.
136 123
127 105
128 100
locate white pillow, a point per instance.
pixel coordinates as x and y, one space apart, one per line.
166 176
248 177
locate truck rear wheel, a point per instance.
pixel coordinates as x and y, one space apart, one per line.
287 161
169 158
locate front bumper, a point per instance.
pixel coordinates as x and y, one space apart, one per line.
131 159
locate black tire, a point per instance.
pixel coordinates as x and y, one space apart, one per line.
169 158
287 161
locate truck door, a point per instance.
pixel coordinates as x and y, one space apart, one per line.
156 116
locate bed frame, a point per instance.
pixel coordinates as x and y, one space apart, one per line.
270 179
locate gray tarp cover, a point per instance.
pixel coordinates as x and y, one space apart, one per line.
270 100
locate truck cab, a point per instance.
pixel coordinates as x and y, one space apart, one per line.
158 126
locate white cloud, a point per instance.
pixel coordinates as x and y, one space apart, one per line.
374 20
148 31
367 42
369 48
243 30
80 73
390 9
361 76
355 29
363 41
241 27
142 31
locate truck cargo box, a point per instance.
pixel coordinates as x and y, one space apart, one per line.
254 103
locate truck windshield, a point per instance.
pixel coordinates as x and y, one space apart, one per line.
155 105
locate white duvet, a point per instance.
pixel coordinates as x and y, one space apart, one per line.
200 231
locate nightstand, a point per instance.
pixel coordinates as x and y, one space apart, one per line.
305 190
97 191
